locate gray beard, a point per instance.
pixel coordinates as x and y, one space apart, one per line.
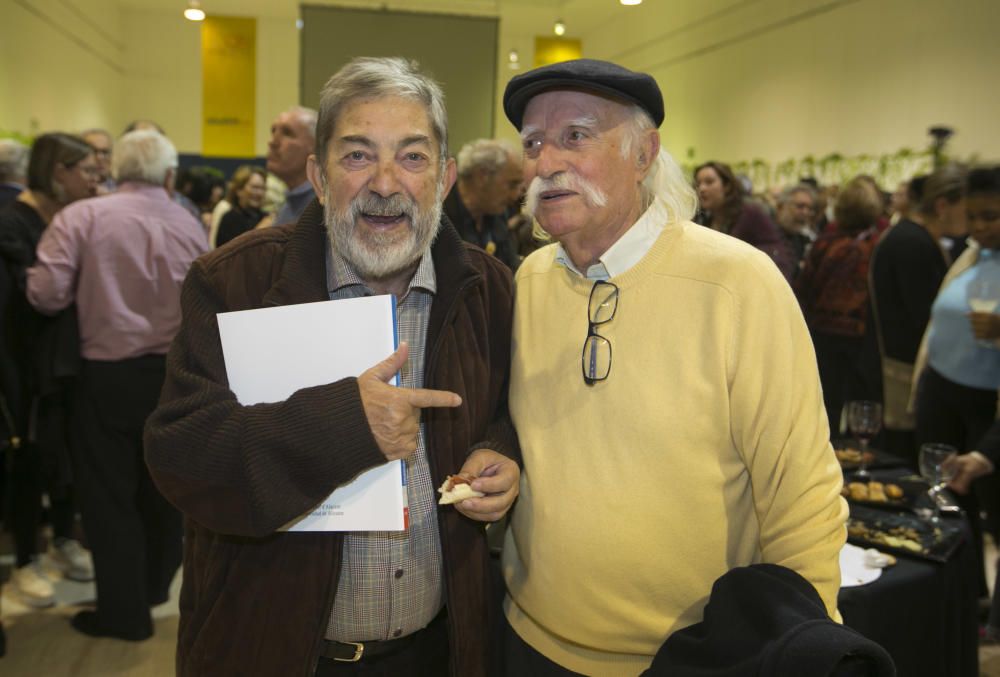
378 256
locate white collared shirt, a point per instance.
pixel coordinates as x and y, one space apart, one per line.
628 250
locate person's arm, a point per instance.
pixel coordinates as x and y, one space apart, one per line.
779 424
496 460
247 470
51 282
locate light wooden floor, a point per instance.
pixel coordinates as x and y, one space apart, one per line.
41 643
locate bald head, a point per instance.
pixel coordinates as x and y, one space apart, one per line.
293 136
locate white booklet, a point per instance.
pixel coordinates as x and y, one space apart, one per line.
272 352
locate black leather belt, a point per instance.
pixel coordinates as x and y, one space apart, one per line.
352 652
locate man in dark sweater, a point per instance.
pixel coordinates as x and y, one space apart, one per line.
257 600
489 178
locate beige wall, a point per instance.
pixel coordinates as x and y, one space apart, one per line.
870 76
164 80
867 76
127 64
74 82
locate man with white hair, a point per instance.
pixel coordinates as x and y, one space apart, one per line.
13 169
414 602
698 444
293 136
122 258
489 178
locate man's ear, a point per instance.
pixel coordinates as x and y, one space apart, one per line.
648 150
316 178
169 179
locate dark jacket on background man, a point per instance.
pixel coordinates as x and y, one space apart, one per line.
494 230
255 601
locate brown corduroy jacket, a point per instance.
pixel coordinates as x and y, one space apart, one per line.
254 601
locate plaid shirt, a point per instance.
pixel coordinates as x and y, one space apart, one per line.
390 581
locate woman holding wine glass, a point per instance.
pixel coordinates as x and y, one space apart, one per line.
957 371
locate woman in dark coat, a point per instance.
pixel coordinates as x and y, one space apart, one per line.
62 169
723 206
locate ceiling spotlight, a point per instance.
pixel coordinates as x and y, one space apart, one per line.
559 28
194 12
513 60
630 2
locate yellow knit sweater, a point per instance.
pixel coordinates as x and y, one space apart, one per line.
705 449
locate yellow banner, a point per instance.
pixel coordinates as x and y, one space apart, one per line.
556 50
228 86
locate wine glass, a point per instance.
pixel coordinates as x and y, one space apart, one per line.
936 467
864 420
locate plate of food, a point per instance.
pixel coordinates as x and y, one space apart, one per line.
904 533
878 494
849 456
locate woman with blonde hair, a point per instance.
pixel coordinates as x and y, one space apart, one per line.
833 292
246 195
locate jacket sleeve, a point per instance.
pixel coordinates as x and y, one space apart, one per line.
500 434
989 446
779 424
247 470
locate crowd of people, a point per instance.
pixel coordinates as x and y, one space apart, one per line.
725 332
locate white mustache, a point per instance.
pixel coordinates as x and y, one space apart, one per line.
591 194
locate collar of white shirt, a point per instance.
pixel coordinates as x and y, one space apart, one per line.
628 249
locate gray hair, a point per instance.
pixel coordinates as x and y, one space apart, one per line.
13 160
376 77
665 178
483 154
145 156
790 191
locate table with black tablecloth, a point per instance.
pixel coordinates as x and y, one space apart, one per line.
923 613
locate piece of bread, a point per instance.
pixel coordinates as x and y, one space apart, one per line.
456 488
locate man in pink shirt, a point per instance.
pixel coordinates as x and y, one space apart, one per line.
121 259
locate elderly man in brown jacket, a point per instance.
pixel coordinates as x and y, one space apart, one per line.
262 602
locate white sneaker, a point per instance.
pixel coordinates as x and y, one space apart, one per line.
31 587
72 559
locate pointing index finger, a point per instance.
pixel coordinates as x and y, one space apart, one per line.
423 398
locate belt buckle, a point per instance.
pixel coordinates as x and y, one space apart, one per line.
359 650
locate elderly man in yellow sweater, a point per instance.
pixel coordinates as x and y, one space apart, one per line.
664 389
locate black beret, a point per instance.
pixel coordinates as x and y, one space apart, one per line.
602 77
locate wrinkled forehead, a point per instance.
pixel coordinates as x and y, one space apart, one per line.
558 107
